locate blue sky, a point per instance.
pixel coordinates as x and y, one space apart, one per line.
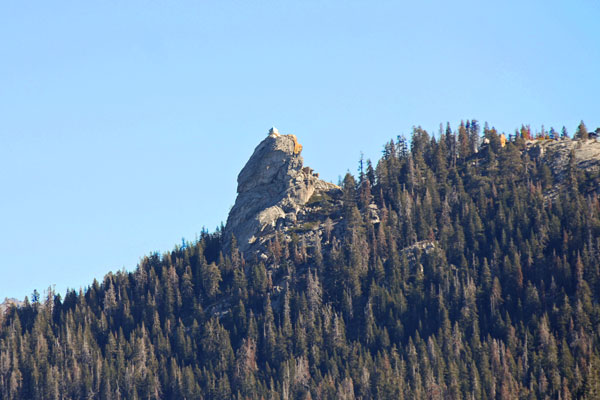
123 125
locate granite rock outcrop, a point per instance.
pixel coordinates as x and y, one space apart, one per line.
272 187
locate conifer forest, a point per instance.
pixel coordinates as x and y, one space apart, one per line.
460 265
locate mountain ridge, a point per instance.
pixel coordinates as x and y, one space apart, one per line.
450 269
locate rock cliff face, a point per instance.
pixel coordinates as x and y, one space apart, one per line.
272 188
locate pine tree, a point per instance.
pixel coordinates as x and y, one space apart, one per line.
582 132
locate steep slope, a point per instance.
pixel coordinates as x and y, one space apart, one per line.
444 272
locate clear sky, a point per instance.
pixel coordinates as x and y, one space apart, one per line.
123 125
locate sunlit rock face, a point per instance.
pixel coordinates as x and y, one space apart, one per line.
273 185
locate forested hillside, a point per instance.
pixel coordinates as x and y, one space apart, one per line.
478 278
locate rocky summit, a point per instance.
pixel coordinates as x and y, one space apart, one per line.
272 188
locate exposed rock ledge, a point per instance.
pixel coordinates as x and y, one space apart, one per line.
273 185
556 153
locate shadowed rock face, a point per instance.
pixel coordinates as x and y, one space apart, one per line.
272 185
